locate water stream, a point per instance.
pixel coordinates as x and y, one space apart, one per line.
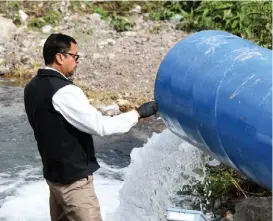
141 171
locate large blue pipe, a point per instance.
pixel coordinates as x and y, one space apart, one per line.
215 90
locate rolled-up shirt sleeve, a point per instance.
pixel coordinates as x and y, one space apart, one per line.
73 105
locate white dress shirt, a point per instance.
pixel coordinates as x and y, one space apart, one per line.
74 106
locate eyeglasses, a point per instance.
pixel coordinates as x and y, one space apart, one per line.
75 56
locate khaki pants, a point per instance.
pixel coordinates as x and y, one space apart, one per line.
74 202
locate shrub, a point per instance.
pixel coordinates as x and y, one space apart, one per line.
103 14
36 23
52 17
250 20
121 23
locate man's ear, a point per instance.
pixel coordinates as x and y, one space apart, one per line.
59 58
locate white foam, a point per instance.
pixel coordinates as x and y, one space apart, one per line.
29 200
107 191
12 183
155 175
157 172
107 188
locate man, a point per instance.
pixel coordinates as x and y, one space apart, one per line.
63 122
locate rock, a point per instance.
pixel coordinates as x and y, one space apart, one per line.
46 29
31 62
64 6
21 29
136 9
94 17
24 59
8 29
109 110
82 55
229 216
2 61
3 70
95 74
66 18
176 18
42 42
111 41
254 209
139 21
26 43
15 59
96 56
111 56
214 163
2 49
145 15
226 219
23 16
122 63
167 38
101 44
23 50
122 102
210 215
138 41
56 29
127 94
129 33
217 204
74 16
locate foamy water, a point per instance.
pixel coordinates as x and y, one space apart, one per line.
28 200
157 172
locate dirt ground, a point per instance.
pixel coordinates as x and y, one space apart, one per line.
115 67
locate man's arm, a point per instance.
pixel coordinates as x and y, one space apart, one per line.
74 106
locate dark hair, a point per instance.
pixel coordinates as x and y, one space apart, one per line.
54 44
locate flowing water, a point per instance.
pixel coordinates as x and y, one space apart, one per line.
157 173
140 175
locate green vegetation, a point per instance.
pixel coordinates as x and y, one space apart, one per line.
248 19
121 23
52 17
36 22
40 13
11 9
223 184
81 6
103 14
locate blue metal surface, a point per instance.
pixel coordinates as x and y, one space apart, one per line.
215 90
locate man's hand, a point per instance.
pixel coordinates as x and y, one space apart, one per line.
147 109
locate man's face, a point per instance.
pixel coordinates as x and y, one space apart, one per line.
70 61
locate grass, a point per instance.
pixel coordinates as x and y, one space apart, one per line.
22 72
224 183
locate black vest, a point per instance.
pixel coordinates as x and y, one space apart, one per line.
67 153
